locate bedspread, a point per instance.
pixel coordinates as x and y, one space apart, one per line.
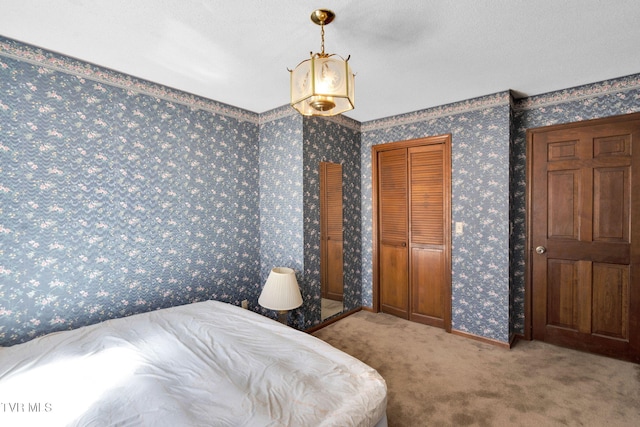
201 364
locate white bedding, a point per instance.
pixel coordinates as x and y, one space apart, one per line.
202 364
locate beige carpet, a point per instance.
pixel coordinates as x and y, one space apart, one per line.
440 379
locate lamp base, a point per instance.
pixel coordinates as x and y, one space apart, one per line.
282 316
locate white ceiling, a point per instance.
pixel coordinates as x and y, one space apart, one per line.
407 55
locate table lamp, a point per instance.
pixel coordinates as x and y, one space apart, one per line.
281 292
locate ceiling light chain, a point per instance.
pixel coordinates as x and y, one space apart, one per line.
322 54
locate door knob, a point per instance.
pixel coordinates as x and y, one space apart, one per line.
541 249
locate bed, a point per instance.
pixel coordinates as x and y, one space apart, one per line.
202 364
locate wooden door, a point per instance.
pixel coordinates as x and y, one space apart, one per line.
428 237
585 235
331 242
393 226
412 217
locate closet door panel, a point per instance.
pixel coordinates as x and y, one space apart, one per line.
427 195
392 167
394 262
334 271
427 277
427 215
394 269
332 248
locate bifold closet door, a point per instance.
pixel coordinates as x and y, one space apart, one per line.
393 232
412 191
427 239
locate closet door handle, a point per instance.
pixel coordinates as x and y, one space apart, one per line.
393 243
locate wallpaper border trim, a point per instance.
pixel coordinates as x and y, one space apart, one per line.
480 103
288 111
17 50
578 93
20 51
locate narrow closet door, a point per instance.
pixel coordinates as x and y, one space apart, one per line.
332 250
427 234
392 215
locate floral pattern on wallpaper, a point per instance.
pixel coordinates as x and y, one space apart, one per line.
119 196
291 148
114 202
480 200
51 61
281 216
326 140
489 190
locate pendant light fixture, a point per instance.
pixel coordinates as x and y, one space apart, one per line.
324 84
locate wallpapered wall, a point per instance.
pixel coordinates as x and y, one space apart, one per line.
115 201
489 190
488 193
120 196
480 190
336 141
291 148
281 213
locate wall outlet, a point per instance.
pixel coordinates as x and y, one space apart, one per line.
245 304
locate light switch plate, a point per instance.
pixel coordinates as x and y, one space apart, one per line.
459 228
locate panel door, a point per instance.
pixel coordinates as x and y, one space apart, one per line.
585 237
332 247
393 232
428 234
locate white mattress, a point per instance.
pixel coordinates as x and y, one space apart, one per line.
203 364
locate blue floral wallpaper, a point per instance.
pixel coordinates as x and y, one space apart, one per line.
281 213
119 196
489 190
338 141
480 200
291 148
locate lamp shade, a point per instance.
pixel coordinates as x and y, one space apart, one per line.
322 86
281 291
